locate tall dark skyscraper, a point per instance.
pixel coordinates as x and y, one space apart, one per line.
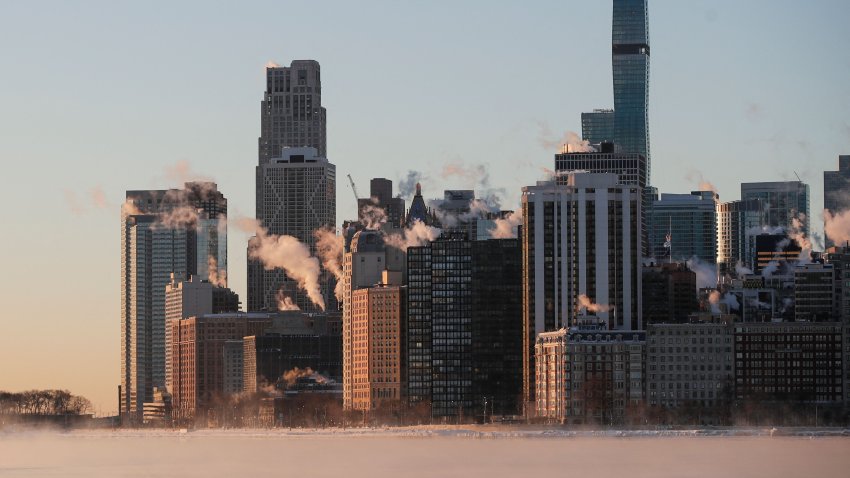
630 62
836 190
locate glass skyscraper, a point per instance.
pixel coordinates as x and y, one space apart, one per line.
630 62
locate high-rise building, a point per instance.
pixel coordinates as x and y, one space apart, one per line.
296 195
165 233
738 222
463 327
597 127
364 262
191 298
782 202
381 196
836 190
291 113
581 255
630 67
683 226
377 348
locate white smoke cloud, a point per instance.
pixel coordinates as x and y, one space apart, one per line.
697 178
706 273
741 270
372 217
284 302
569 141
507 228
216 277
714 301
330 248
417 234
837 226
287 253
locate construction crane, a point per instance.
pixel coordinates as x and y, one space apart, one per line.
354 188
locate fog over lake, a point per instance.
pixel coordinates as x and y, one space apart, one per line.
418 452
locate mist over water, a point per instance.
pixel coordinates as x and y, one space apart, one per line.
238 453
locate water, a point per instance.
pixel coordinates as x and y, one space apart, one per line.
417 452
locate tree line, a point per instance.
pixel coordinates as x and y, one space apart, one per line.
43 402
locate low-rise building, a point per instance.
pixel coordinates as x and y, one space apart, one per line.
588 375
689 363
799 361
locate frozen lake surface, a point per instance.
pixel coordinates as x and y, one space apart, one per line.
428 451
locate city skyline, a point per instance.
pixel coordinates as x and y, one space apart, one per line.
141 151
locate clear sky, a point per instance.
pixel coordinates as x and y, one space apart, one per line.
104 96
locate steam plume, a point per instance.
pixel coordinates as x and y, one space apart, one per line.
418 234
284 302
702 184
569 141
287 253
330 248
216 277
507 228
407 185
584 302
372 217
837 226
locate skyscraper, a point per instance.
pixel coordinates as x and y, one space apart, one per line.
296 193
785 204
630 67
682 226
836 190
295 183
165 233
291 113
463 326
580 256
381 196
738 223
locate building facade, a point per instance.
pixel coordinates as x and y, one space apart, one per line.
296 195
463 327
669 293
788 361
587 375
295 339
581 252
836 191
597 127
191 298
381 197
683 226
782 202
630 68
179 232
689 363
198 356
738 222
291 113
377 347
814 288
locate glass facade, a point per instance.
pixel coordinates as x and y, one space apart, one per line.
783 202
598 126
630 66
691 222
